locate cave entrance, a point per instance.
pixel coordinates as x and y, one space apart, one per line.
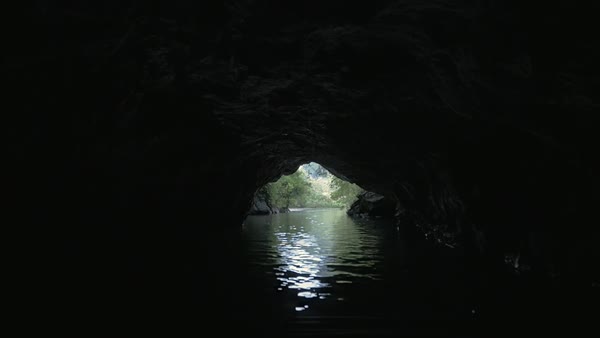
319 258
310 186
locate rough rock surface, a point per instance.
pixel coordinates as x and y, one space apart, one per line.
132 119
370 204
261 207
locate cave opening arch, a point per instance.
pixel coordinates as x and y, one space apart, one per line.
464 112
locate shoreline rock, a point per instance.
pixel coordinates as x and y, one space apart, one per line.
370 204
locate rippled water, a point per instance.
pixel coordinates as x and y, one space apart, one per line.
322 273
316 257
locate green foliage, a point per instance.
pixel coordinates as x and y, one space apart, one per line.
298 190
315 200
344 192
289 190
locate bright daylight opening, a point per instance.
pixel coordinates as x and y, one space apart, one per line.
310 232
311 186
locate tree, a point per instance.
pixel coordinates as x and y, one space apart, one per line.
300 190
289 190
344 192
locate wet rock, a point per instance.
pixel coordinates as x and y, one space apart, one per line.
262 206
372 205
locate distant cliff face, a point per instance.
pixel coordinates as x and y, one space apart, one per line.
315 170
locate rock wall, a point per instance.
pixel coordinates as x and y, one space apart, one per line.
260 207
370 204
132 119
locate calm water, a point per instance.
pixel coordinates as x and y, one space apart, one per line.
314 256
324 267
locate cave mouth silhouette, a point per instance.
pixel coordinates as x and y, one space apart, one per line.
309 186
142 130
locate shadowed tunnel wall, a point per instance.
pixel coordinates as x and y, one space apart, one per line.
477 118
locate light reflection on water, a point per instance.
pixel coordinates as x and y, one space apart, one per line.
315 252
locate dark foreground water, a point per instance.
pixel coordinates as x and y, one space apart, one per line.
314 273
322 272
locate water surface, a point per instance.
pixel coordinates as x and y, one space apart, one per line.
315 257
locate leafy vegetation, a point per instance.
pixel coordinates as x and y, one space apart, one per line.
303 189
289 191
344 192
